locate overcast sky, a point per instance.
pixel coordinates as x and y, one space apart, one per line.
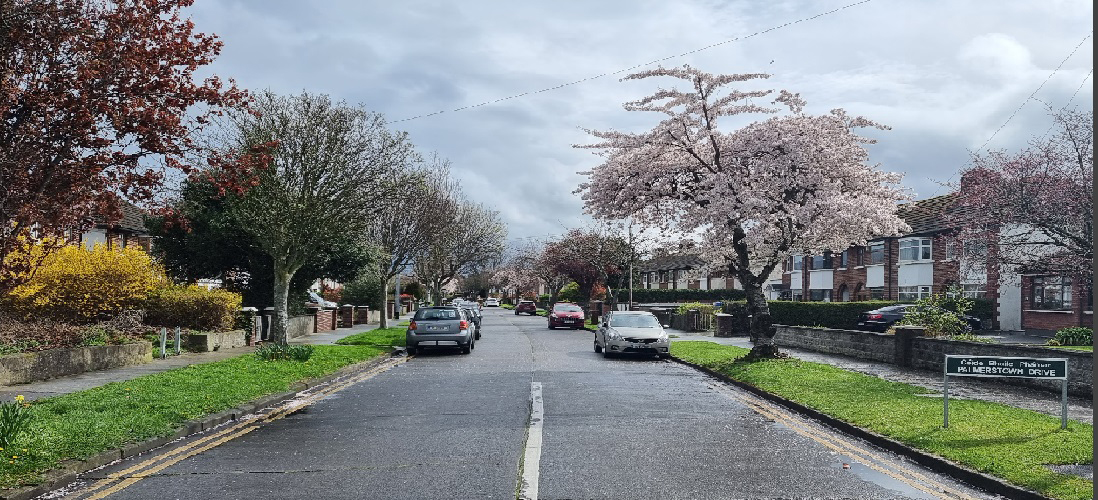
944 74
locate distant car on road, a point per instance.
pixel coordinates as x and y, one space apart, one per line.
526 306
491 302
566 314
631 332
883 318
440 326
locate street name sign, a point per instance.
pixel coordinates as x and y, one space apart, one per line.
994 366
989 366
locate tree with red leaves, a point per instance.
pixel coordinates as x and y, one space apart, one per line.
587 257
100 104
1034 208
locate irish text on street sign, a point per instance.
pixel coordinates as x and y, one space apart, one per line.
991 366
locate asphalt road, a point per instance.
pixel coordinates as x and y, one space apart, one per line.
446 425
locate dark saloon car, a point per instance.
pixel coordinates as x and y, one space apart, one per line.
884 318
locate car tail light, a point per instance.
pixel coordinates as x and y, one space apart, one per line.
464 325
874 316
411 325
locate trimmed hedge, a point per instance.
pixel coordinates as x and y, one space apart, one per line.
193 307
657 295
842 315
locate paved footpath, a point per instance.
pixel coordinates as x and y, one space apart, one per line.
89 380
1047 402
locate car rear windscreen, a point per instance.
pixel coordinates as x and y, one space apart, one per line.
431 314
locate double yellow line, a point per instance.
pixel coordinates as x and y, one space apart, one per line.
868 458
121 480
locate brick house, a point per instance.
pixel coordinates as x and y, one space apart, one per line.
925 261
127 231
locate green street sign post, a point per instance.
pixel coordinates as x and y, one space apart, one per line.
994 366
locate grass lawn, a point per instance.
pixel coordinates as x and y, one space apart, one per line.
378 337
81 424
1085 348
1003 441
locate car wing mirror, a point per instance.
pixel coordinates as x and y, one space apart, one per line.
666 326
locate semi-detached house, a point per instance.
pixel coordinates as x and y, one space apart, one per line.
925 261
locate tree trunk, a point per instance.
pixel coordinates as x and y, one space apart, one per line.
384 305
281 318
760 325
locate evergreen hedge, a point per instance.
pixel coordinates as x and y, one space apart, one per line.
842 315
657 295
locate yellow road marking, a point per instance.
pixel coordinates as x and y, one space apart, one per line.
146 468
839 445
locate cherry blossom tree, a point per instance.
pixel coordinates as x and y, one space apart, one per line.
587 257
792 183
1034 208
100 103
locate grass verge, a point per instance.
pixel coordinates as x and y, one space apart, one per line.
81 424
378 337
1000 440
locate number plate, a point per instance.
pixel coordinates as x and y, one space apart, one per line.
435 328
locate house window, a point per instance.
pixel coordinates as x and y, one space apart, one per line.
797 295
913 293
819 295
915 249
1052 293
876 253
876 292
844 259
974 290
821 261
663 276
798 262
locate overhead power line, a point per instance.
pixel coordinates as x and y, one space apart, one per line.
1033 97
631 68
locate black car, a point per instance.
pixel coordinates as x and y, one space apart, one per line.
473 310
882 319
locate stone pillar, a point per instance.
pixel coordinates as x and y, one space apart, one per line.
904 337
268 319
254 324
313 311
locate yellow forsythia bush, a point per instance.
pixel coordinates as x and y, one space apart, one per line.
81 285
192 307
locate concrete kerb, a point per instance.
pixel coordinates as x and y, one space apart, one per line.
69 470
938 464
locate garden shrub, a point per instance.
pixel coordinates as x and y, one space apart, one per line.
1075 335
284 352
193 307
570 293
81 285
704 309
932 314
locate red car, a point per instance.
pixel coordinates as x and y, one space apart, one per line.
565 314
526 306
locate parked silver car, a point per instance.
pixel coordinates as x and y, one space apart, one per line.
631 332
441 326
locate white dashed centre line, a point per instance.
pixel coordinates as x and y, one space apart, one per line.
531 463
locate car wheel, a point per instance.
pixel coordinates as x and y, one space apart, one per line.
598 348
516 313
477 336
551 327
467 348
606 352
411 350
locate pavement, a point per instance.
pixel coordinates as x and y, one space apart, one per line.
89 380
1079 409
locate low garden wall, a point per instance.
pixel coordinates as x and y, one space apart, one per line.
207 342
43 365
300 326
909 349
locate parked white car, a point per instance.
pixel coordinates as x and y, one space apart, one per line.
631 332
491 302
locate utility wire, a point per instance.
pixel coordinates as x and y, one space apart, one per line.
1020 106
631 68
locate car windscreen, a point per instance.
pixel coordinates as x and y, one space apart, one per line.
567 308
634 321
432 314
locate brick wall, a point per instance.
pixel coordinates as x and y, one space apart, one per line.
929 353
